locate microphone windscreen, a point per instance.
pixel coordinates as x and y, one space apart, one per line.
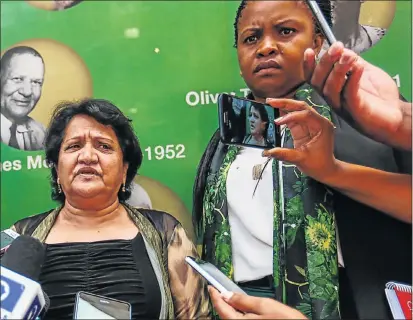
25 256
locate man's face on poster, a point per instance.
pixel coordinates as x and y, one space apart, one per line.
21 85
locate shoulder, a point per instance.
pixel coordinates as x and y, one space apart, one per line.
162 221
35 125
27 225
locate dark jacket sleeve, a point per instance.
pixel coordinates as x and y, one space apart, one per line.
188 288
376 247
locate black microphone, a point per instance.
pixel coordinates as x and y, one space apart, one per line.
21 295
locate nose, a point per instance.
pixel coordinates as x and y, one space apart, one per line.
26 89
268 47
88 155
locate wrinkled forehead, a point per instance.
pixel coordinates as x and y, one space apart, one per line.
81 126
257 12
25 64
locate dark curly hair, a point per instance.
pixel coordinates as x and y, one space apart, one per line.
325 7
105 113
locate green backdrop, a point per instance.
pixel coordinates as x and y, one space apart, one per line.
162 63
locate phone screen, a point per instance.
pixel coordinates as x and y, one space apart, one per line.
213 275
6 240
248 123
91 306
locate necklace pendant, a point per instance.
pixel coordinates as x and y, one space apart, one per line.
256 171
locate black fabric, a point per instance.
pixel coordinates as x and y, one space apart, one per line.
118 269
347 305
376 247
266 282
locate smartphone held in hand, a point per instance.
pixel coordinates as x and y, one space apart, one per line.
247 123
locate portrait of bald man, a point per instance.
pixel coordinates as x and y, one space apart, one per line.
21 81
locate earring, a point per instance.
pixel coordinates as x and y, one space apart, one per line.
59 189
123 187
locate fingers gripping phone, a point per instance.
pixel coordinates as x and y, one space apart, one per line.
92 306
213 275
247 123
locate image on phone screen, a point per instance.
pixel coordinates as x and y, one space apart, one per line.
213 275
91 306
248 123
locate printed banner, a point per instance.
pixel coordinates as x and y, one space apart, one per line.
163 63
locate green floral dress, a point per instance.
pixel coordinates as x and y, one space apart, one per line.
305 251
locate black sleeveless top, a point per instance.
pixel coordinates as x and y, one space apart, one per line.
118 269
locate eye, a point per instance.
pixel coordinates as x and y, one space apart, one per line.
251 39
287 31
37 82
72 146
17 79
105 146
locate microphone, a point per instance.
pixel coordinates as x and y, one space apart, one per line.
21 295
7 237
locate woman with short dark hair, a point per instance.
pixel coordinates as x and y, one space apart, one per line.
94 241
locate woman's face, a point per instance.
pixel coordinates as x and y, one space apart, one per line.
90 161
257 126
272 38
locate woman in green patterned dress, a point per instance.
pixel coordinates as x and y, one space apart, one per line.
272 233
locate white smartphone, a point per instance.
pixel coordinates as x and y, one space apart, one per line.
213 275
92 306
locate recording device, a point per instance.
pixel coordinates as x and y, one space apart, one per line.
213 275
247 123
92 306
7 237
21 295
322 22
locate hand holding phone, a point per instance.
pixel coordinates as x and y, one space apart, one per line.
213 275
247 123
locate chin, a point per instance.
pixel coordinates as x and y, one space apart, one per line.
88 191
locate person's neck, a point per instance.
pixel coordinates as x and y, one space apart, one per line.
84 216
258 138
9 117
285 95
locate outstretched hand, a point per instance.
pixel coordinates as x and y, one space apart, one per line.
313 139
367 94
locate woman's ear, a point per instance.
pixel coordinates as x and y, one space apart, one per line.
318 43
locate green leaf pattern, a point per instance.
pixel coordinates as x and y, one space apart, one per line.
305 224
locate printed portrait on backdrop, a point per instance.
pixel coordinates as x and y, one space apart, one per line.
21 81
33 81
54 5
361 24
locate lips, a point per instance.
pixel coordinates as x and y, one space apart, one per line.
87 171
20 102
269 64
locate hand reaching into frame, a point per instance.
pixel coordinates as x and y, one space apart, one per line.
313 154
242 306
313 139
368 95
